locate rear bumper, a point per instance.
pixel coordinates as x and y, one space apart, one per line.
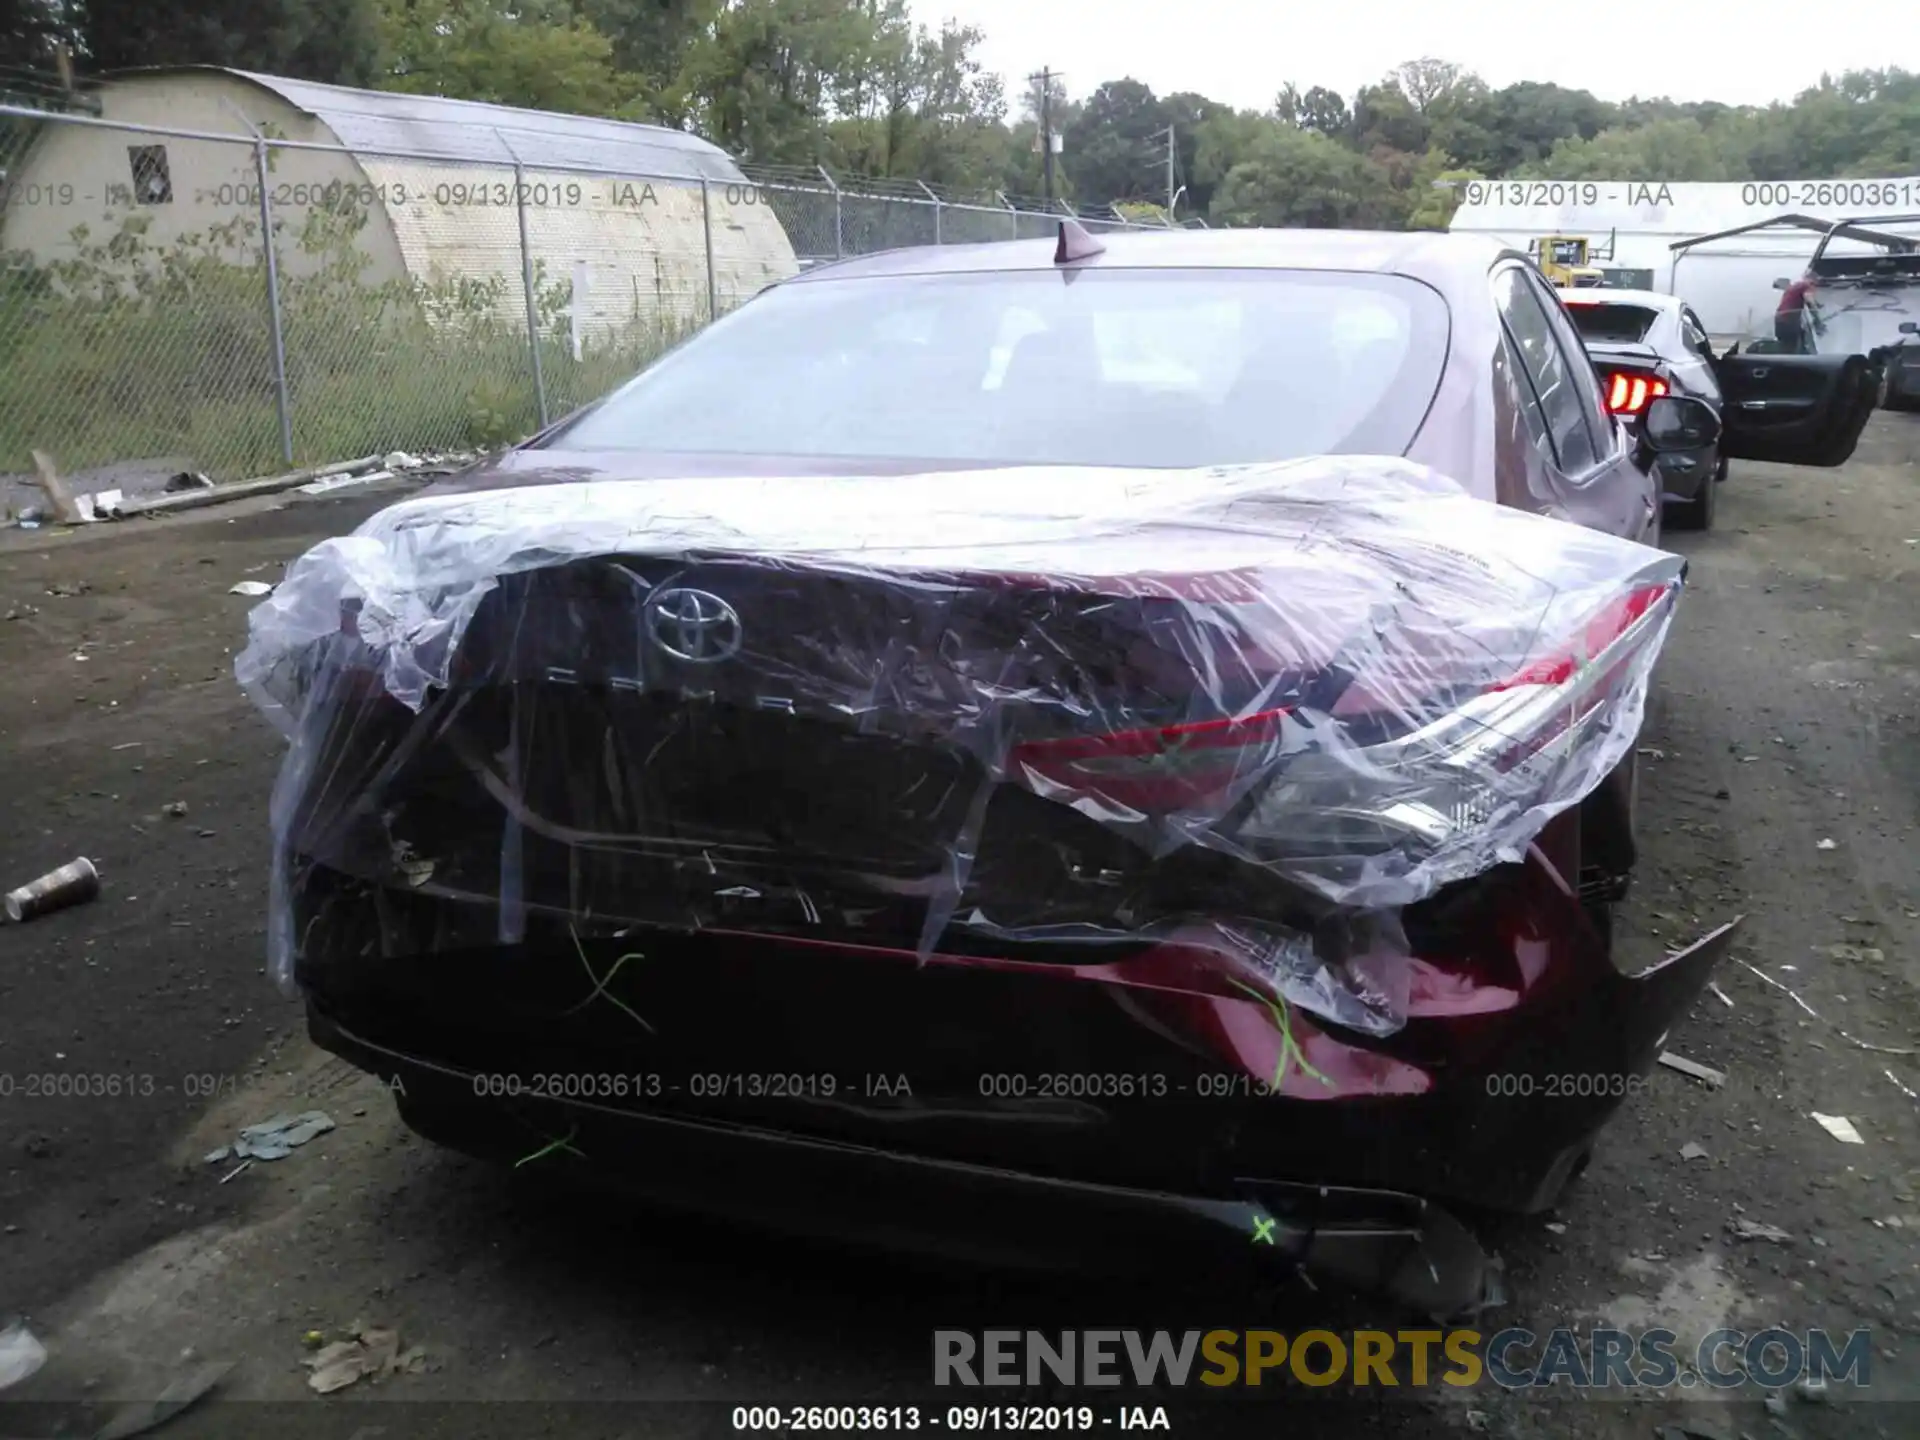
1396 1245
1161 1112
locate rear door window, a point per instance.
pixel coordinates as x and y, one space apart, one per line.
1545 366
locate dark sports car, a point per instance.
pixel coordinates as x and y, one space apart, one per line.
1153 856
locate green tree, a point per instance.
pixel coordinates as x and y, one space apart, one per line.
331 40
1118 143
652 40
765 79
1435 193
1323 110
1429 83
1383 116
495 50
1294 177
1663 150
1499 131
933 114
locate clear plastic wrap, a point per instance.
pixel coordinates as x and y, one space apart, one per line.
1268 706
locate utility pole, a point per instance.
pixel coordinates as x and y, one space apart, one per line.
1046 77
1170 190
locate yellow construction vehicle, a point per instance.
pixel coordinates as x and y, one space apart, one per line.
1566 260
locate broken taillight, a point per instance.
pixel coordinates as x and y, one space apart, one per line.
1330 795
1629 392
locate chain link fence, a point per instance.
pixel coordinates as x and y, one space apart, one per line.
237 305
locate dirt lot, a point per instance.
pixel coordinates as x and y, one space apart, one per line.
1783 783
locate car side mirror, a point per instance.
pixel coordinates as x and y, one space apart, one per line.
1679 422
1910 327
1782 283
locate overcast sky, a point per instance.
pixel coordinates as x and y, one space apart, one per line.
1242 51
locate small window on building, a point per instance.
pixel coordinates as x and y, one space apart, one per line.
152 184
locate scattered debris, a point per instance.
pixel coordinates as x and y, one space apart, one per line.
1782 989
1776 1403
398 460
107 503
250 587
275 1139
314 1339
372 1352
1878 1049
67 589
144 1415
1557 1227
1827 845
240 1169
1693 1150
65 508
74 883
342 482
214 1157
1813 1390
1693 1068
20 1353
174 809
187 480
1742 1228
1900 1085
1719 995
1840 1128
199 496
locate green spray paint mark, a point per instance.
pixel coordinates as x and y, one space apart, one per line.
565 1142
600 983
1277 1007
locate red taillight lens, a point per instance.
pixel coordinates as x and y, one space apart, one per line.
1355 805
1171 767
1629 392
1600 632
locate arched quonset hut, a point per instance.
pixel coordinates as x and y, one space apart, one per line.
1729 282
617 218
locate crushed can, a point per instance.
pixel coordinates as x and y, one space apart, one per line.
74 883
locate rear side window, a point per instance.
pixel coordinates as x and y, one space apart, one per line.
1612 324
1546 367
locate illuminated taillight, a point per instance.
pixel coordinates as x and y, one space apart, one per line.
1629 393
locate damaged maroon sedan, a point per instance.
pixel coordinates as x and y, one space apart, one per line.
1044 752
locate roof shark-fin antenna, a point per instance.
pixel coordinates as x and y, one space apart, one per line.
1076 244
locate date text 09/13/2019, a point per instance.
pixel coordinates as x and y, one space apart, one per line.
1903 194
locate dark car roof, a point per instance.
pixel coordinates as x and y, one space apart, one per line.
1442 259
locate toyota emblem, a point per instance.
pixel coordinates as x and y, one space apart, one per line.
693 625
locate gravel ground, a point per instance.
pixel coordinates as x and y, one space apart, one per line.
1788 716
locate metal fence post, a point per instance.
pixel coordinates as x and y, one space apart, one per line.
526 281
1013 215
280 395
839 234
936 209
706 225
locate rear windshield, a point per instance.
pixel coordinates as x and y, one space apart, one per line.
1614 324
1151 367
